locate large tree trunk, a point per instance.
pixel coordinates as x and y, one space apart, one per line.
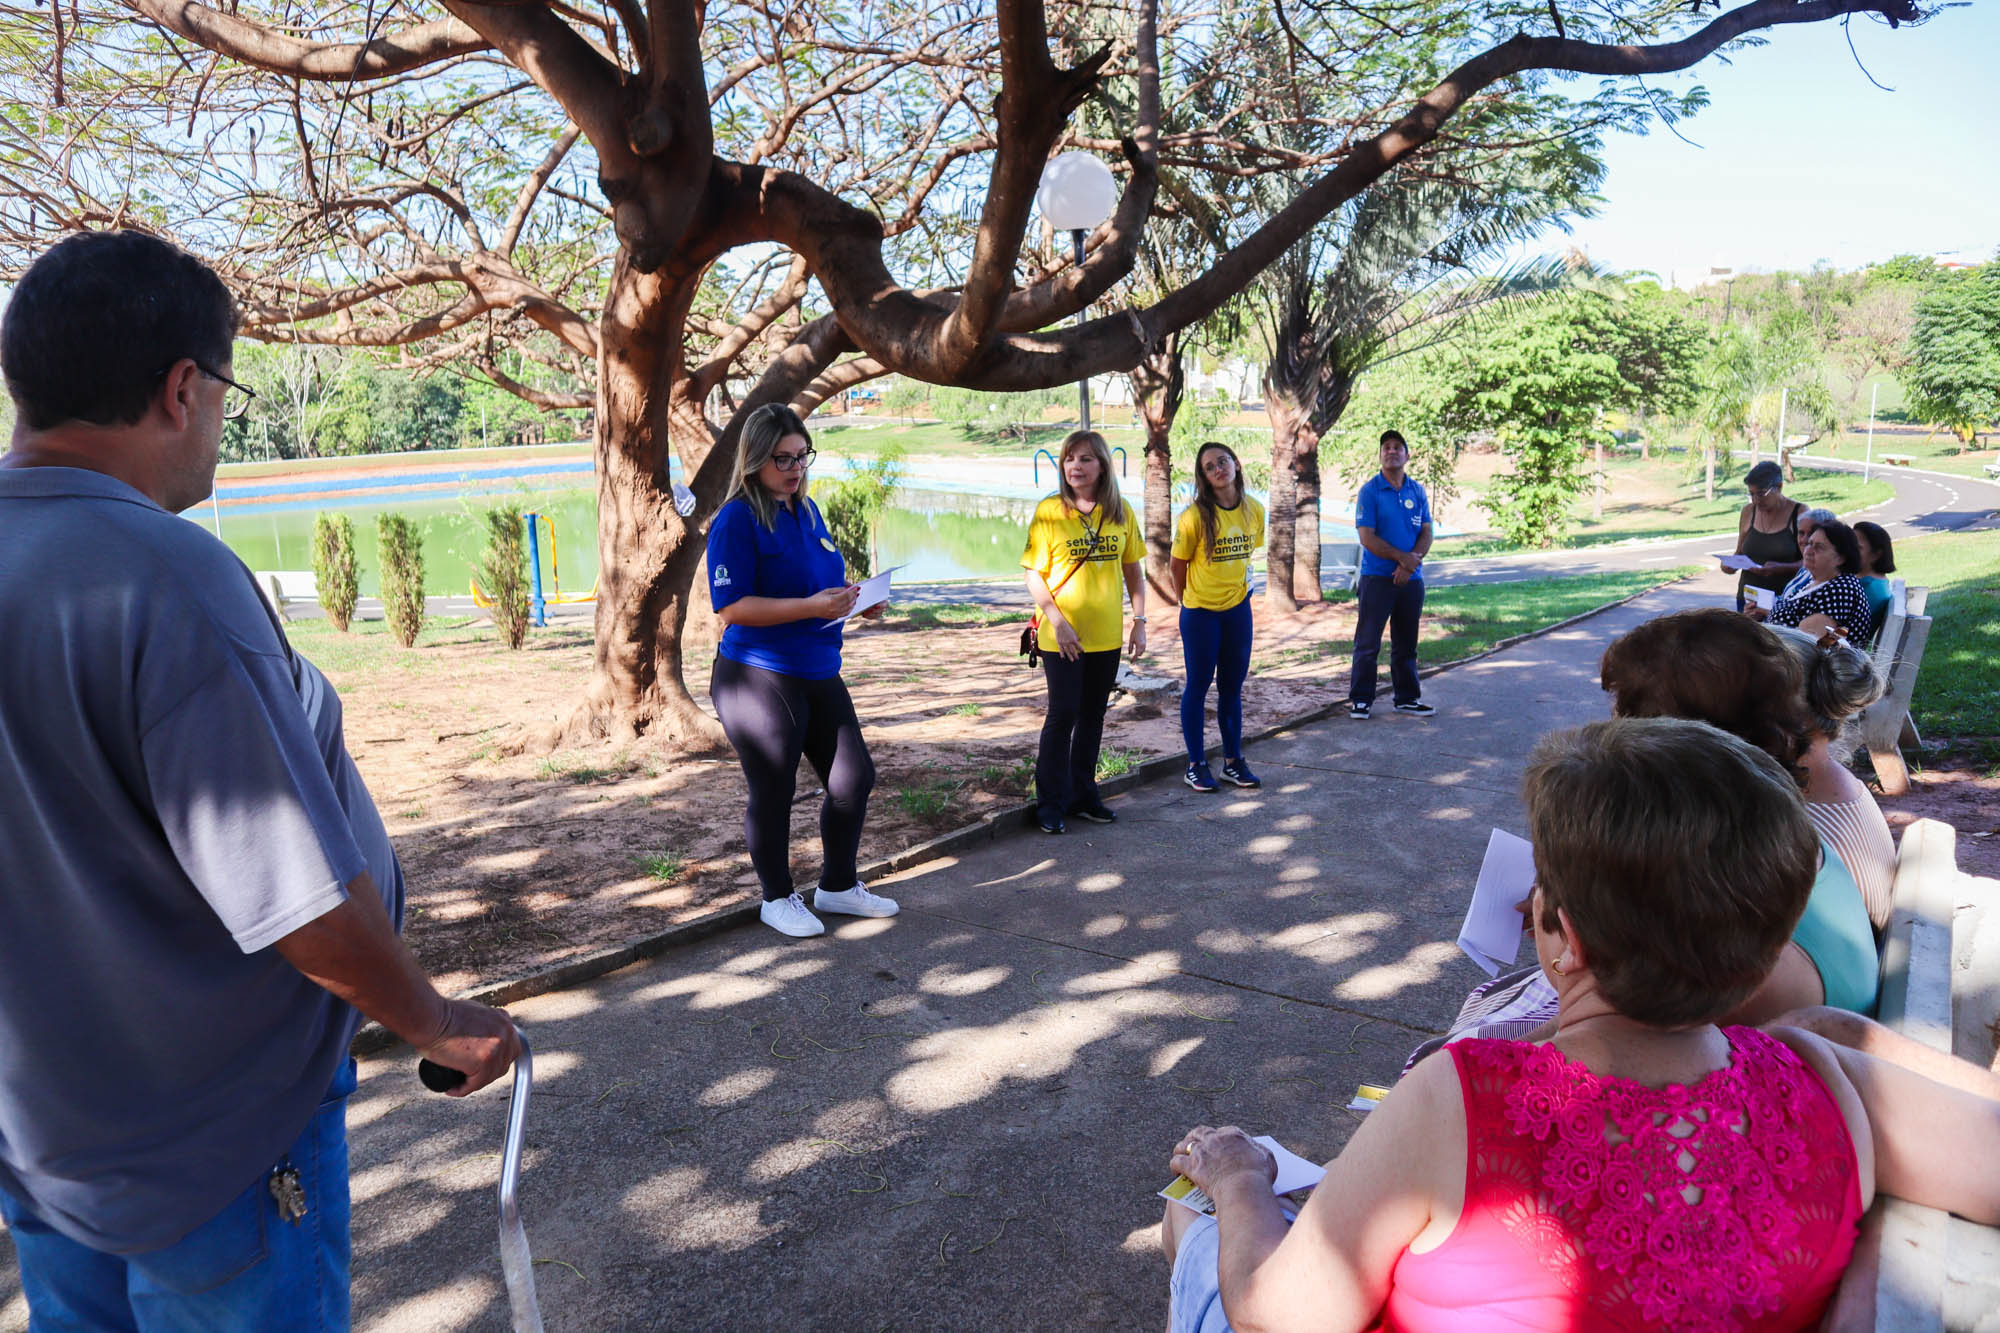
1305 512
648 555
1157 384
1280 520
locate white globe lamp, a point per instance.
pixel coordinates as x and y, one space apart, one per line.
1077 192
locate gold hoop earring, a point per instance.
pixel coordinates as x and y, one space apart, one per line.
1560 970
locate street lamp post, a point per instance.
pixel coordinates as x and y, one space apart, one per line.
1076 194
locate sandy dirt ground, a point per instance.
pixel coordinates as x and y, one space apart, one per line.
515 863
1963 796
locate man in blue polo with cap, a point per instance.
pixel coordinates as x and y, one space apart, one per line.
1392 516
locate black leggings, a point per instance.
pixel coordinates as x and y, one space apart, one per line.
772 719
1066 764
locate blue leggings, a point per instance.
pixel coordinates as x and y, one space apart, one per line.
1216 647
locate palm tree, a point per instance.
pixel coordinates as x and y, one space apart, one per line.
1400 284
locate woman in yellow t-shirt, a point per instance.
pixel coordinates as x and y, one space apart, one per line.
1083 544
1211 564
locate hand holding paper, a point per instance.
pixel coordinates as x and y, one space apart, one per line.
1294 1173
1491 936
874 592
1764 598
1731 561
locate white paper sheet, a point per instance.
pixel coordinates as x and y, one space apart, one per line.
1294 1173
1763 597
874 592
1491 935
1730 560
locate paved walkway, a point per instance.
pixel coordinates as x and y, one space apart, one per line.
956 1119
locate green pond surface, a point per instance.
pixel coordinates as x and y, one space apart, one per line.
937 535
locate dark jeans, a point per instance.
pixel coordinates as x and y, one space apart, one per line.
245 1270
1399 606
1215 645
772 719
1072 734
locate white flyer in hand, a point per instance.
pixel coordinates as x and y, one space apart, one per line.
874 592
1763 597
1730 560
1294 1173
1491 935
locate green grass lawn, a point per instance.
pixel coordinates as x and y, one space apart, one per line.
1476 616
1937 453
1658 503
1958 687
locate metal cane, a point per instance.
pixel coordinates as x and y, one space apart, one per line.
515 1263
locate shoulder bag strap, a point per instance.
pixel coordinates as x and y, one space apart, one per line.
1087 553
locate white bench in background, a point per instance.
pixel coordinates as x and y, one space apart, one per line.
283 588
1885 725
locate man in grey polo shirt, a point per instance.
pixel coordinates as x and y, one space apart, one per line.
196 892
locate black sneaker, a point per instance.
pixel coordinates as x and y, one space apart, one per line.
1048 821
1237 772
1359 709
1417 706
1099 813
1199 777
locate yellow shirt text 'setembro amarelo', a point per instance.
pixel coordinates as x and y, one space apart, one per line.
1092 599
1218 582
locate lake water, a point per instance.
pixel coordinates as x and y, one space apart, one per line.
944 522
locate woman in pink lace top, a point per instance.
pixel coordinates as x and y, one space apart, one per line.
1645 1168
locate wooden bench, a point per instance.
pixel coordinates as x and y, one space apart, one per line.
283 588
1941 986
1993 469
1885 725
1897 460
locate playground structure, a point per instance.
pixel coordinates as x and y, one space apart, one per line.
538 601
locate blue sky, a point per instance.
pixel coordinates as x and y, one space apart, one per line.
1802 159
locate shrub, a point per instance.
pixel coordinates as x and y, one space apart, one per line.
401 553
503 573
853 506
335 572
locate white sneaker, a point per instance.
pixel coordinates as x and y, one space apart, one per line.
856 901
788 916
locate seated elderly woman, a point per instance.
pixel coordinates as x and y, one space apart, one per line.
1878 561
1643 1169
1827 591
1788 699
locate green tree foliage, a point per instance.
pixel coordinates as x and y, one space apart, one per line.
334 568
1540 381
1953 378
400 555
853 507
503 573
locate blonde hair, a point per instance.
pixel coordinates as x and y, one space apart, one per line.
1107 498
755 444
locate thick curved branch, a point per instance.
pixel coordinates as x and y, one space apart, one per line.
280 53
1035 102
898 327
835 380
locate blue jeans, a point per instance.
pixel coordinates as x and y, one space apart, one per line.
1399 606
245 1270
1215 645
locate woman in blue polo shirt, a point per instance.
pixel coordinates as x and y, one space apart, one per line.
778 584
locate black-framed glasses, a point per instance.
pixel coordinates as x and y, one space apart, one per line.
235 397
793 462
